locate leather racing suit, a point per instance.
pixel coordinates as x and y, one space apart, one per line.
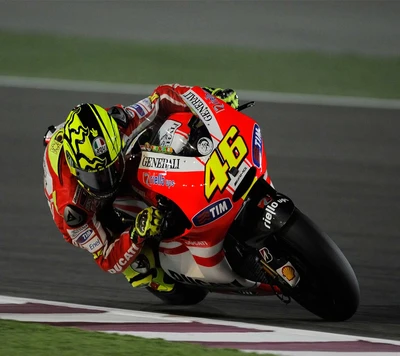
91 223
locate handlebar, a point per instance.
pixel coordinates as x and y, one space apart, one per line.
246 105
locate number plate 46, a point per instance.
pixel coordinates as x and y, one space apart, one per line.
229 154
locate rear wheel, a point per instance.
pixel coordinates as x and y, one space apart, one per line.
182 294
328 286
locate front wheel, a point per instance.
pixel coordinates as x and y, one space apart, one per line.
182 294
328 286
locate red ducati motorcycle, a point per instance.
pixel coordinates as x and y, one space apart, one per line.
227 229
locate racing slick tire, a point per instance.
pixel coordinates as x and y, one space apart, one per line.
328 286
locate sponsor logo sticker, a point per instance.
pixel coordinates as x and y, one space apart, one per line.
139 110
76 232
217 106
56 142
264 202
265 254
84 236
169 129
132 252
212 212
157 179
270 211
93 245
289 274
196 243
240 177
160 162
257 146
154 148
74 216
99 146
198 105
204 146
180 277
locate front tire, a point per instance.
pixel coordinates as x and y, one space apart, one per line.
328 286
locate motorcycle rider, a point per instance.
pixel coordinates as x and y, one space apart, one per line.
83 173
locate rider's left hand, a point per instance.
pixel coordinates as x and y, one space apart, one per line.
229 96
147 225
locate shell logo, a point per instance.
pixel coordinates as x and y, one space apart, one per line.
288 272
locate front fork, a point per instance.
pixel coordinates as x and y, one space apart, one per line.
254 238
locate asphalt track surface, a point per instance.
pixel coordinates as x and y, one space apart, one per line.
340 165
366 27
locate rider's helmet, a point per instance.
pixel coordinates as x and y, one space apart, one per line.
93 149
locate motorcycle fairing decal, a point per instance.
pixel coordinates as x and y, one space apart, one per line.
289 274
198 106
269 220
203 160
264 202
164 163
257 146
206 251
225 161
210 261
233 285
203 249
151 179
212 212
265 254
196 103
232 184
167 132
156 148
184 268
168 163
216 142
174 134
205 256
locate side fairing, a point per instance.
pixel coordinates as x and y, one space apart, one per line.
204 188
198 262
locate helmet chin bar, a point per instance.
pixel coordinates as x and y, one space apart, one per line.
99 195
103 183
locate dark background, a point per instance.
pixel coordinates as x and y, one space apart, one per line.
352 26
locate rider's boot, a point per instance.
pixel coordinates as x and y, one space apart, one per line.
161 282
143 272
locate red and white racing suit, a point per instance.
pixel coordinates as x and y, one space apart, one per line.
76 213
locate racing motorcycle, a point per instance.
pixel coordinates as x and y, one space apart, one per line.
226 228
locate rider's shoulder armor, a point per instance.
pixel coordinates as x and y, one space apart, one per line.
74 216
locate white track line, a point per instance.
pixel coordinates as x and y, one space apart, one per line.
142 89
113 315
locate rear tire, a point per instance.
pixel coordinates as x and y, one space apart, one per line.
328 286
182 294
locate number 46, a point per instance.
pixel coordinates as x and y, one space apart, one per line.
229 154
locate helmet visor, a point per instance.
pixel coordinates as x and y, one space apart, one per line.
105 182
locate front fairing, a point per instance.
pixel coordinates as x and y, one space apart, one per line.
204 186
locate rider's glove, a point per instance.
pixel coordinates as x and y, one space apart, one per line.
229 96
147 225
119 114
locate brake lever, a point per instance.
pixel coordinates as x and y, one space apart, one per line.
246 105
